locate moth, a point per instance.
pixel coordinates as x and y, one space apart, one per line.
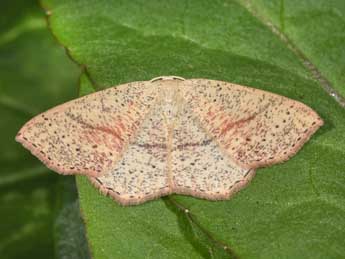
142 140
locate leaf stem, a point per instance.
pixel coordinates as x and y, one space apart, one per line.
315 72
191 218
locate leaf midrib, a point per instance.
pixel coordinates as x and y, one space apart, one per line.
310 67
330 91
313 70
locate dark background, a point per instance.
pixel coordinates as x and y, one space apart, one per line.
35 74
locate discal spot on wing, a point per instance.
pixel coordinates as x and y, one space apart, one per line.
199 167
87 135
143 140
142 172
255 127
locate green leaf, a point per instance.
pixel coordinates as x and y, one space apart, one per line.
34 76
69 230
291 210
316 28
152 230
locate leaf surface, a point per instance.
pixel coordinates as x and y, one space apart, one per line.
291 210
316 28
34 75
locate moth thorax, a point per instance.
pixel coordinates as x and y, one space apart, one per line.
170 103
